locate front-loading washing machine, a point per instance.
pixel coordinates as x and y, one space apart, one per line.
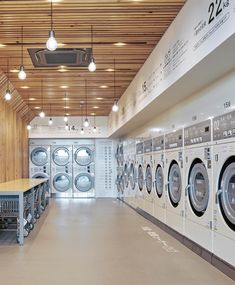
84 170
148 178
199 183
159 179
39 161
224 185
140 174
174 180
61 168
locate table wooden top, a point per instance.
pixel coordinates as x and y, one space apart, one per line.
20 185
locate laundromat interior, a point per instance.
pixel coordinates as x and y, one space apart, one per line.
117 142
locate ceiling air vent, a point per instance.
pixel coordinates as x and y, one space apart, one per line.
76 57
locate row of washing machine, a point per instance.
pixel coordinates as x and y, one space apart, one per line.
186 179
70 168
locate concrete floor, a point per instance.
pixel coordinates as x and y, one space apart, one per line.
101 242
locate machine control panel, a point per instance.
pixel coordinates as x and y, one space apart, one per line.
198 133
158 143
148 145
174 140
140 148
224 126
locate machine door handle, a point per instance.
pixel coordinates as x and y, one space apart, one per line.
218 193
187 189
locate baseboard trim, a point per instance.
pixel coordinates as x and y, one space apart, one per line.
214 260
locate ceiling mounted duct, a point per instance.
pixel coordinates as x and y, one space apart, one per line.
74 57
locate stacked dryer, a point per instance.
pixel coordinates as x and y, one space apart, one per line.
140 174
159 178
199 186
61 170
224 185
174 187
39 161
132 174
148 185
84 170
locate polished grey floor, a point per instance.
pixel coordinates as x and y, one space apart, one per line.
101 242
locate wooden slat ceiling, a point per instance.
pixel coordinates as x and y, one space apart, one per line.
139 24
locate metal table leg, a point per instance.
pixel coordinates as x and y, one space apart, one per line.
21 218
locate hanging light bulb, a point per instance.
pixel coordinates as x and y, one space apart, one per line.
66 119
8 95
28 127
86 123
22 73
82 131
115 106
67 127
92 65
51 42
94 129
42 114
50 122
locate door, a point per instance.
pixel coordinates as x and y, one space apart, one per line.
149 178
140 177
84 182
159 181
62 182
174 184
61 156
39 156
83 156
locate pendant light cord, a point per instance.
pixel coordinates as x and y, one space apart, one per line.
22 43
42 93
92 40
114 78
65 103
51 16
86 95
8 73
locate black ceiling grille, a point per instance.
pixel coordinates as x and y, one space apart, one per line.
77 57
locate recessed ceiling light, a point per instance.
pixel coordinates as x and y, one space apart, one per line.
2 45
93 114
103 86
64 87
14 70
67 114
66 107
61 44
62 70
65 98
120 44
99 98
95 107
32 99
109 69
25 87
37 108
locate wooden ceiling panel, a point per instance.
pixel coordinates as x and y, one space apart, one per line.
139 24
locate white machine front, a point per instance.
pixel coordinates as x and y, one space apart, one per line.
174 180
148 181
84 170
224 185
140 175
61 157
39 161
199 183
159 179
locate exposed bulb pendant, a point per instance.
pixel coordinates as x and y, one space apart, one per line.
67 127
92 65
66 119
115 106
86 123
8 95
94 129
29 127
50 122
51 42
42 114
82 131
22 74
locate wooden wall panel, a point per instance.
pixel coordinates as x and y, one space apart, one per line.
14 144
